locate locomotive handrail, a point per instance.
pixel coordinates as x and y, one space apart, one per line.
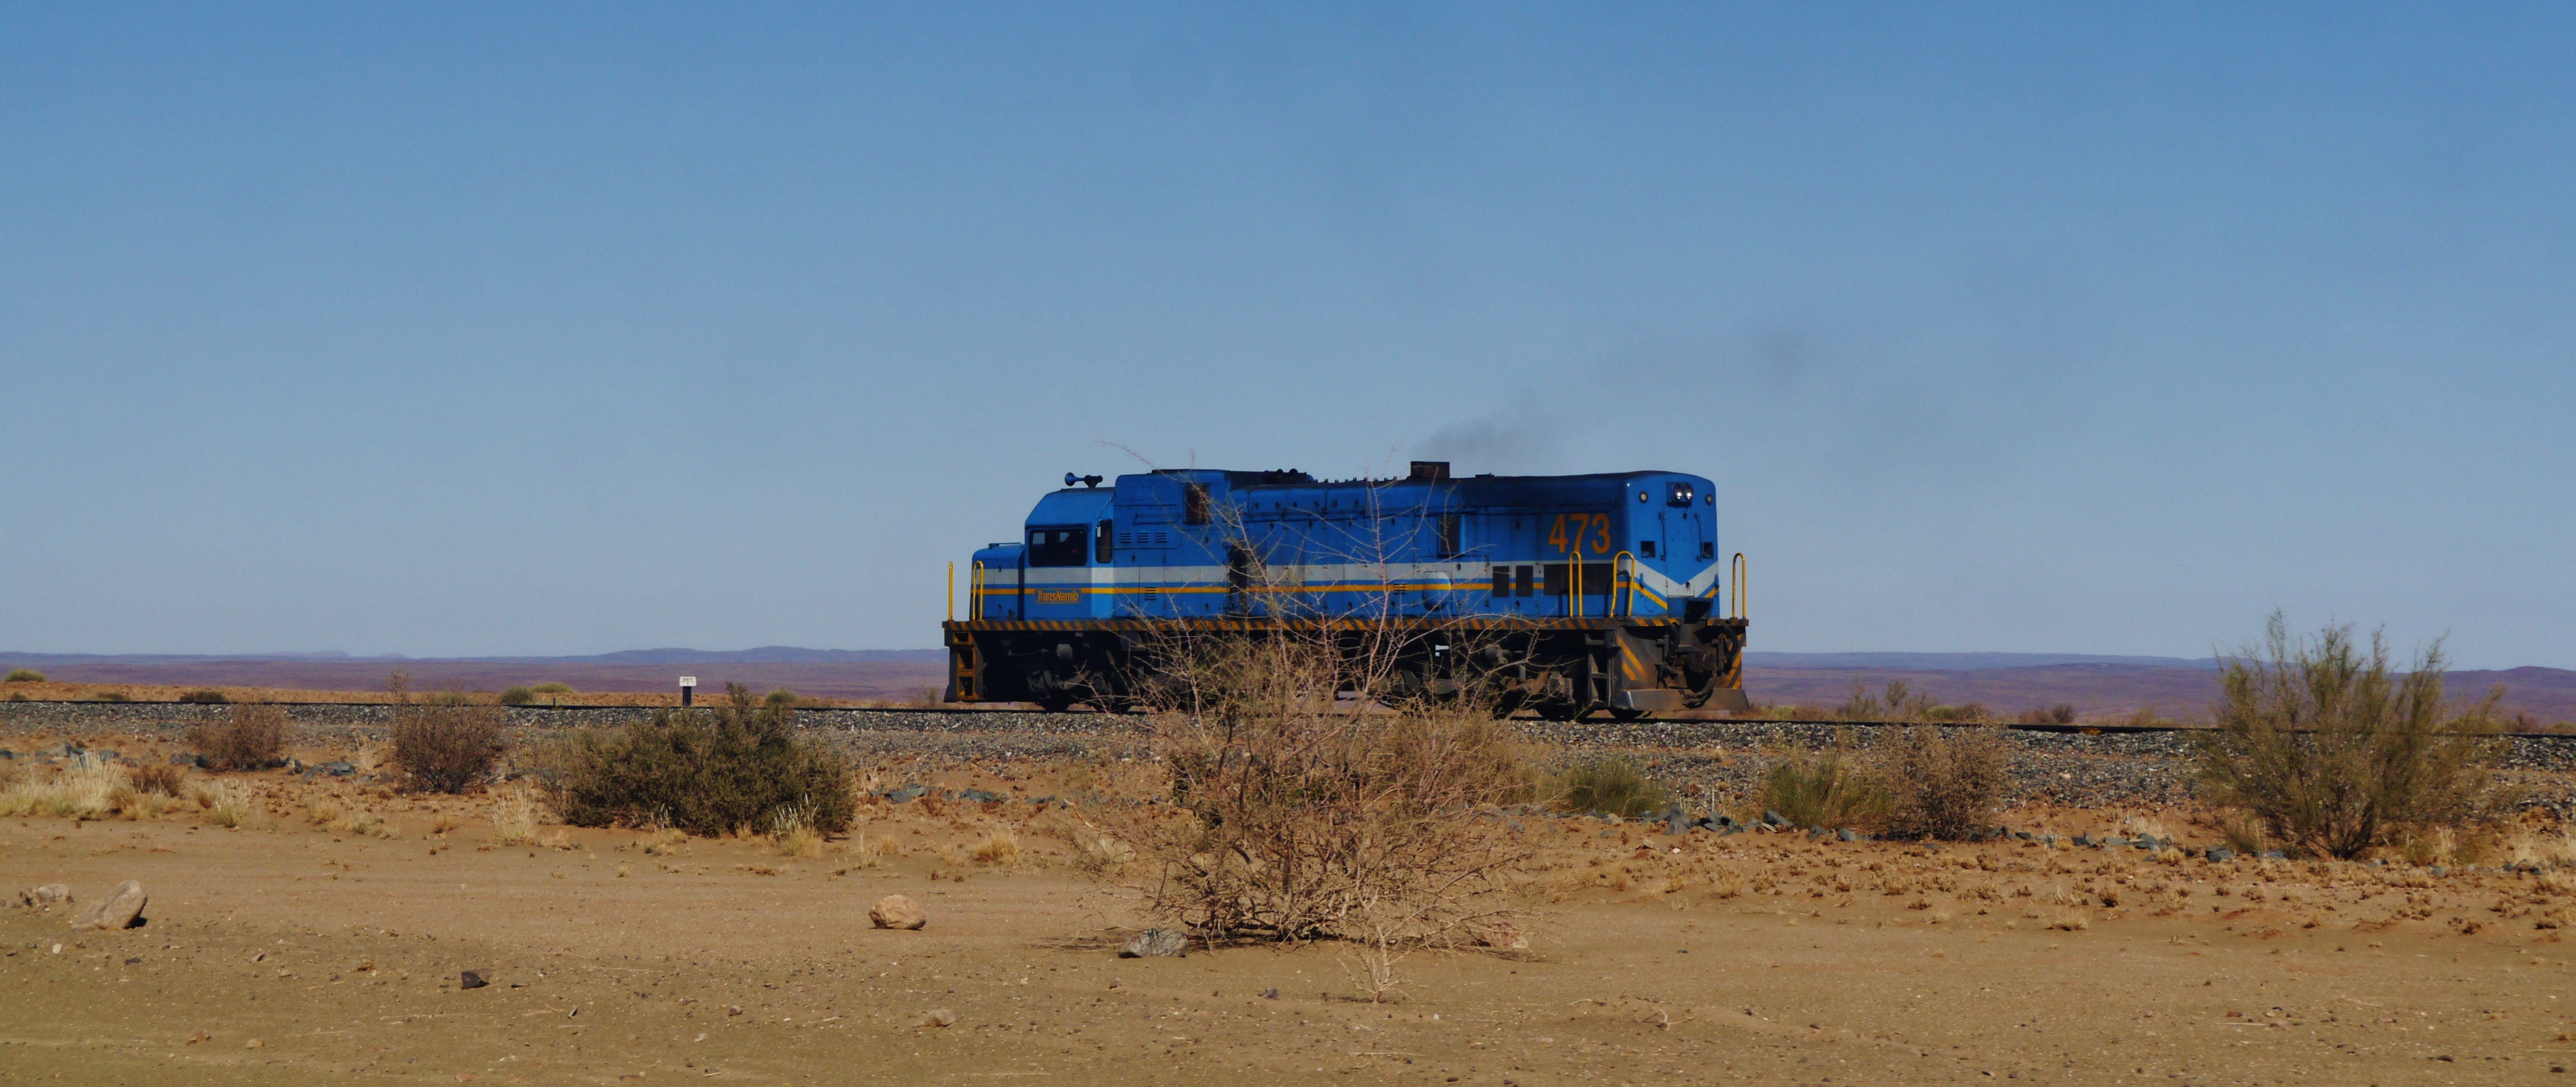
1574 582
1623 571
1736 591
975 592
952 590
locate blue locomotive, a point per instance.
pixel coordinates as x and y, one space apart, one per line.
1562 594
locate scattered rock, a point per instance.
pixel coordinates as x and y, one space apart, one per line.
1774 819
46 897
1502 934
937 1017
733 1009
2218 854
897 911
121 909
471 979
254 1044
1271 993
337 769
1156 943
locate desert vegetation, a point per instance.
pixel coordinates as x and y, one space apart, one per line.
734 766
1610 785
254 739
2323 745
24 675
1300 810
446 748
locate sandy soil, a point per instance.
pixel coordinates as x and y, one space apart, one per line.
291 951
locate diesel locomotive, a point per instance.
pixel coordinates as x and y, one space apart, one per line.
1565 595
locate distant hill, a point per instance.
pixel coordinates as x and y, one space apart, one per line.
1958 662
2099 687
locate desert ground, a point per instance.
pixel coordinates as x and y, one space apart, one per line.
324 937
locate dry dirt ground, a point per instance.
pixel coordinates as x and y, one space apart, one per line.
324 940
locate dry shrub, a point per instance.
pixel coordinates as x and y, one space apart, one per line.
2062 713
24 675
707 772
1825 790
445 822
1615 785
161 778
1294 815
204 696
255 739
996 847
2333 751
446 749
226 805
1944 782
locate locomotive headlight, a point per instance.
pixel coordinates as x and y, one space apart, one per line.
1681 495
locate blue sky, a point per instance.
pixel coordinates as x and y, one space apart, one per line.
455 329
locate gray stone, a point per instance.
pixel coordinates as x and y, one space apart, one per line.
1156 943
471 979
2084 841
186 760
121 909
2218 854
46 897
1678 826
1773 818
2274 855
1846 834
337 769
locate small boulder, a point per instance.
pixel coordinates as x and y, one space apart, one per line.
46 897
2218 854
119 910
471 979
1774 819
897 911
1847 834
1157 943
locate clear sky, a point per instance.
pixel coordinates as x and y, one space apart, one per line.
454 329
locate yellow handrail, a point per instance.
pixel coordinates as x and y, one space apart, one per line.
1574 582
1624 562
952 590
975 593
1737 590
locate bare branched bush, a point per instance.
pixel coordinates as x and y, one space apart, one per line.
161 778
255 739
2062 713
446 749
2332 751
707 772
1294 814
1828 789
1944 782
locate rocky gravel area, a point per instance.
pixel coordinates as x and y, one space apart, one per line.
1706 760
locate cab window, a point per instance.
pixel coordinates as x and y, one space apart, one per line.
1058 546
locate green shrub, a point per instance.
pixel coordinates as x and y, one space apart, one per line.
552 688
1825 791
204 696
518 696
705 771
24 675
1944 782
255 739
782 698
1615 785
2333 751
446 749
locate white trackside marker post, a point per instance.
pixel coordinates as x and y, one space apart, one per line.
688 686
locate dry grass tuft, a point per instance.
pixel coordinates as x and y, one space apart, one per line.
514 818
86 789
997 847
791 836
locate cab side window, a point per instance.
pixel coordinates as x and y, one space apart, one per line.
1058 546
